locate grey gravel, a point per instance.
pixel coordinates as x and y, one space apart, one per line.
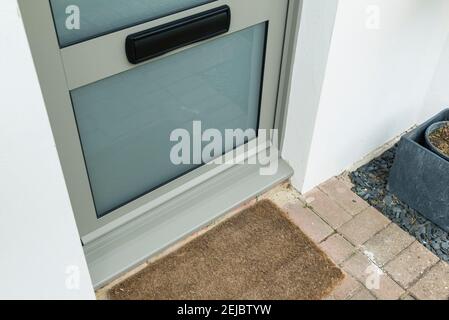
371 183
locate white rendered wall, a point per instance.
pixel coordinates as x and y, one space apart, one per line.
40 252
438 93
310 61
380 79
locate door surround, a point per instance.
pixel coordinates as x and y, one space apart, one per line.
51 73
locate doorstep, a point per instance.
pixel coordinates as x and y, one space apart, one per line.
130 245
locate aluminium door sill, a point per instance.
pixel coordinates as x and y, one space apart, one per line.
131 244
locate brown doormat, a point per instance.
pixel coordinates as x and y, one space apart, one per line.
257 254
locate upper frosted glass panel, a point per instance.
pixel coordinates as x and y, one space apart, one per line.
98 17
125 121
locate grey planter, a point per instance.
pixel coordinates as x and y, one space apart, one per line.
420 177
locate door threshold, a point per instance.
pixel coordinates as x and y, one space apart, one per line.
131 244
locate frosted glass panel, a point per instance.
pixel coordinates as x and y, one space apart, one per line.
125 121
98 17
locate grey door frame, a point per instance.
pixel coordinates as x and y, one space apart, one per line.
58 73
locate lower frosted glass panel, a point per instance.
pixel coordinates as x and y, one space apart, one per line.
125 121
98 17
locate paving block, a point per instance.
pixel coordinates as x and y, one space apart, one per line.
387 244
364 226
363 294
311 224
327 208
434 285
346 289
341 193
337 248
411 264
374 279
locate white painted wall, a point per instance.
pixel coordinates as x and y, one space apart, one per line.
310 61
378 82
40 250
438 93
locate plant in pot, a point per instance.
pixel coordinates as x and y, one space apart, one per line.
437 138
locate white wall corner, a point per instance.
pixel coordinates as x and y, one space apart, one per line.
40 249
309 69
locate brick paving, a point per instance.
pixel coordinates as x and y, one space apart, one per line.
379 259
434 285
411 264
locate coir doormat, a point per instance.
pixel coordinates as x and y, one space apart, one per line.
257 254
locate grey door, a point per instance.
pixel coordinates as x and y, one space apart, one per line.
124 113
